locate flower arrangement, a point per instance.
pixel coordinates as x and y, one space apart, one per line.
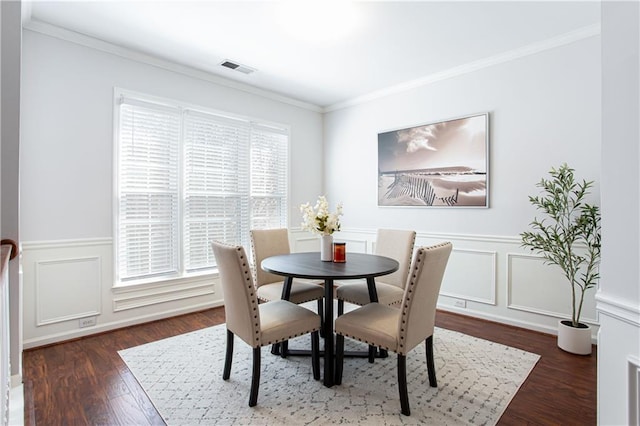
318 219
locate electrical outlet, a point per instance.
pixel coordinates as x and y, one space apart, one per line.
87 322
459 303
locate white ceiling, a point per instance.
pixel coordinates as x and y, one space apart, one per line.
388 43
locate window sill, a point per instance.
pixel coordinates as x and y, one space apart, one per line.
124 286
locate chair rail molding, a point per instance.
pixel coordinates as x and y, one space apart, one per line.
617 308
60 244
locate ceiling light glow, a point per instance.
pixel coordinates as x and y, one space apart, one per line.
317 21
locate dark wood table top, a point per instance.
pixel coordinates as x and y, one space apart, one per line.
309 265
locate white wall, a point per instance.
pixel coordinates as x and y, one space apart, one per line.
11 114
618 299
67 132
66 181
544 110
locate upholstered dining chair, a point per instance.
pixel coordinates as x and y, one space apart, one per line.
258 324
273 242
396 244
400 330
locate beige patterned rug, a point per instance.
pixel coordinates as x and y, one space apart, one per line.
183 377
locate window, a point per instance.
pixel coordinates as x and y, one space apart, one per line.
187 176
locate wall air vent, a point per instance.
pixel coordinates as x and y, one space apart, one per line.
237 67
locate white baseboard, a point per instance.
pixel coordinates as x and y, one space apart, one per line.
16 405
505 320
500 319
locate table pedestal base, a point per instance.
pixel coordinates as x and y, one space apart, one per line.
277 350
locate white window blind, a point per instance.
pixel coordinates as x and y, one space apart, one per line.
216 191
186 177
269 159
147 237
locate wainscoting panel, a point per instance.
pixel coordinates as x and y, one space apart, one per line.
354 245
67 289
64 281
531 282
488 276
619 356
304 243
467 266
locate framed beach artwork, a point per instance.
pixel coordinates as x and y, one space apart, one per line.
443 164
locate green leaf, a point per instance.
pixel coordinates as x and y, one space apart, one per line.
568 227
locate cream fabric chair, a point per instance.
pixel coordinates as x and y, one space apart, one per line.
273 242
393 243
258 324
400 330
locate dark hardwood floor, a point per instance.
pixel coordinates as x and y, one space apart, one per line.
84 382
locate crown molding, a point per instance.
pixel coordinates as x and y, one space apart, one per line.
531 49
94 43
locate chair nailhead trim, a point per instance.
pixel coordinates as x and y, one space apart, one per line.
250 288
367 342
302 333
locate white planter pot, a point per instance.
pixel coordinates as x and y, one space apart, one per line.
576 340
326 248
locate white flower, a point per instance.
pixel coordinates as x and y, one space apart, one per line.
318 219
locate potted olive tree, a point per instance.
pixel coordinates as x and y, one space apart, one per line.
568 235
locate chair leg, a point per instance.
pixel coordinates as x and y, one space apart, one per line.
284 347
430 364
255 378
372 353
339 359
321 313
275 349
402 385
340 307
228 357
315 355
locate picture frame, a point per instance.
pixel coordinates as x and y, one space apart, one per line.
439 164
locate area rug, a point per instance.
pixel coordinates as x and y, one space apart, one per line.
182 376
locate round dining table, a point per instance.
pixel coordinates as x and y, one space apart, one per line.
308 265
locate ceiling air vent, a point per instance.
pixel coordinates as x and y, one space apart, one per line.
237 67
